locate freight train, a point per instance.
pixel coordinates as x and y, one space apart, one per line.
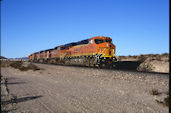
97 51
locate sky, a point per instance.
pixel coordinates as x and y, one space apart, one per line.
135 26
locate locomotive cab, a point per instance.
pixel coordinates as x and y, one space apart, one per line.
105 47
105 50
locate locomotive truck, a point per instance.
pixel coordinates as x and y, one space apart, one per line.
98 51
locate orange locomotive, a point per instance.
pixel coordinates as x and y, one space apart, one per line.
96 51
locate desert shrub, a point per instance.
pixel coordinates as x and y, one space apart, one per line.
19 65
159 101
165 102
135 57
33 67
165 54
5 63
22 68
142 58
155 92
29 67
16 64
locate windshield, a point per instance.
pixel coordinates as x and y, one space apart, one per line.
62 48
98 41
108 40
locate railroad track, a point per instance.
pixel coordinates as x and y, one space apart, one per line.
112 69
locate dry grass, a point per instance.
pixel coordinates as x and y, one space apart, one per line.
165 54
5 63
165 102
155 92
16 64
19 65
32 67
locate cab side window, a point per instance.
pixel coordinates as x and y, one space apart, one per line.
108 40
98 41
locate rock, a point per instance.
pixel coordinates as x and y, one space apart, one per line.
153 65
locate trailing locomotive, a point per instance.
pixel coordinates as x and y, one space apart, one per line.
97 51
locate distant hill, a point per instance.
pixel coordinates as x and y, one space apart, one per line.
21 58
24 58
1 57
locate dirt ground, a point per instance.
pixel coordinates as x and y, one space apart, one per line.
59 89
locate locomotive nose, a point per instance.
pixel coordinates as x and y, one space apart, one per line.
108 45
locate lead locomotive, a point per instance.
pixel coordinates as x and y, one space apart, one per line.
97 51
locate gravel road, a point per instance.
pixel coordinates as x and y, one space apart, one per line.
59 89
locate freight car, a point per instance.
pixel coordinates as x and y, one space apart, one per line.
97 51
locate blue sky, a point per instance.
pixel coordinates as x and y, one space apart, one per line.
136 26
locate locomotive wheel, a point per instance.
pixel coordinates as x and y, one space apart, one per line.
87 62
101 65
92 62
67 62
110 66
